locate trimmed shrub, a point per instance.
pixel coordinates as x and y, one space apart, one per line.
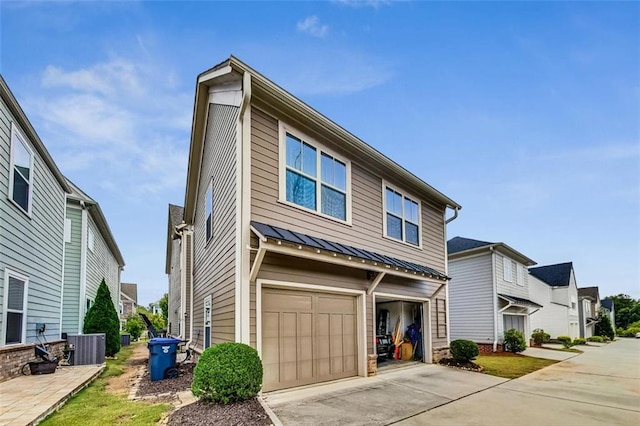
565 340
579 341
102 317
227 372
606 339
539 337
464 350
514 341
134 326
597 339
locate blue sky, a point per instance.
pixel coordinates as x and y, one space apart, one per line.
525 113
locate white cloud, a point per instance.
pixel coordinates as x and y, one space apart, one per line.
311 25
124 123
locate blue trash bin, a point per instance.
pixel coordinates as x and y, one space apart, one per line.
162 357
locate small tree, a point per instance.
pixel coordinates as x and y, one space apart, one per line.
514 341
603 326
134 326
102 317
164 305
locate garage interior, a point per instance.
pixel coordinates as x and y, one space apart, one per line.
399 332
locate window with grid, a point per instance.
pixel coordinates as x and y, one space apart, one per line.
402 221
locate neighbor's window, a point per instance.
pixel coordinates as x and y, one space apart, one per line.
21 171
520 277
209 212
508 269
315 179
15 307
402 220
91 240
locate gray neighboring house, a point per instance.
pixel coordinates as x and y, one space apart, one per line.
178 320
609 307
554 287
588 307
301 233
91 255
488 291
128 301
32 217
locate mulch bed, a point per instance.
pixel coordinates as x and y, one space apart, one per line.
469 366
246 413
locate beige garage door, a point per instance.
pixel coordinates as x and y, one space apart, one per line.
307 337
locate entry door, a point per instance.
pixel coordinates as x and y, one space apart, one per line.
307 337
514 321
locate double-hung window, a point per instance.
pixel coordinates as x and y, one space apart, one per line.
507 267
521 276
402 217
315 178
21 178
209 212
15 306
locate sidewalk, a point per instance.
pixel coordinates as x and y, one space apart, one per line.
27 400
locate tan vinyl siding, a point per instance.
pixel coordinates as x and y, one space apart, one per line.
175 313
471 299
72 259
101 264
366 230
214 261
32 246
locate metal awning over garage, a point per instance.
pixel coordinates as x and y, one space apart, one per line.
354 257
519 301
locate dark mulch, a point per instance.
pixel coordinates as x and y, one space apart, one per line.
182 383
470 366
246 413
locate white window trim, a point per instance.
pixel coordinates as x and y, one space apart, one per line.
207 319
506 261
91 240
15 132
209 192
405 194
283 129
5 309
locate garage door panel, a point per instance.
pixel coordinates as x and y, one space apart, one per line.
316 339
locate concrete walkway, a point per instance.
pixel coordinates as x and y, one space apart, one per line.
379 400
26 400
601 386
549 354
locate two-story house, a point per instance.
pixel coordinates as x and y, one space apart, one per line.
128 300
554 287
299 230
588 307
488 292
91 255
32 217
178 315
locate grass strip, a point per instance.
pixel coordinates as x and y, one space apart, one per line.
511 366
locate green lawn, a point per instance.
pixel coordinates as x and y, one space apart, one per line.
510 365
95 406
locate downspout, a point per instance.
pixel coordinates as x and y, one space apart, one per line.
83 266
495 299
446 269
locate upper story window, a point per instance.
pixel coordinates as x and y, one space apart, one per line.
520 277
21 178
573 302
15 306
507 267
313 177
209 212
91 240
402 217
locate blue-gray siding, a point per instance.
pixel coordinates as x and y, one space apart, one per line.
471 299
71 295
101 264
32 246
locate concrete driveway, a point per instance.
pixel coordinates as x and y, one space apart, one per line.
601 386
380 400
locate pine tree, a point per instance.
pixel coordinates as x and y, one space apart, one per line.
102 317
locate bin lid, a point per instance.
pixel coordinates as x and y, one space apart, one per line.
163 341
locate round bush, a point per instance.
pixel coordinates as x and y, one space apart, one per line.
539 337
464 350
227 372
514 341
596 339
579 341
